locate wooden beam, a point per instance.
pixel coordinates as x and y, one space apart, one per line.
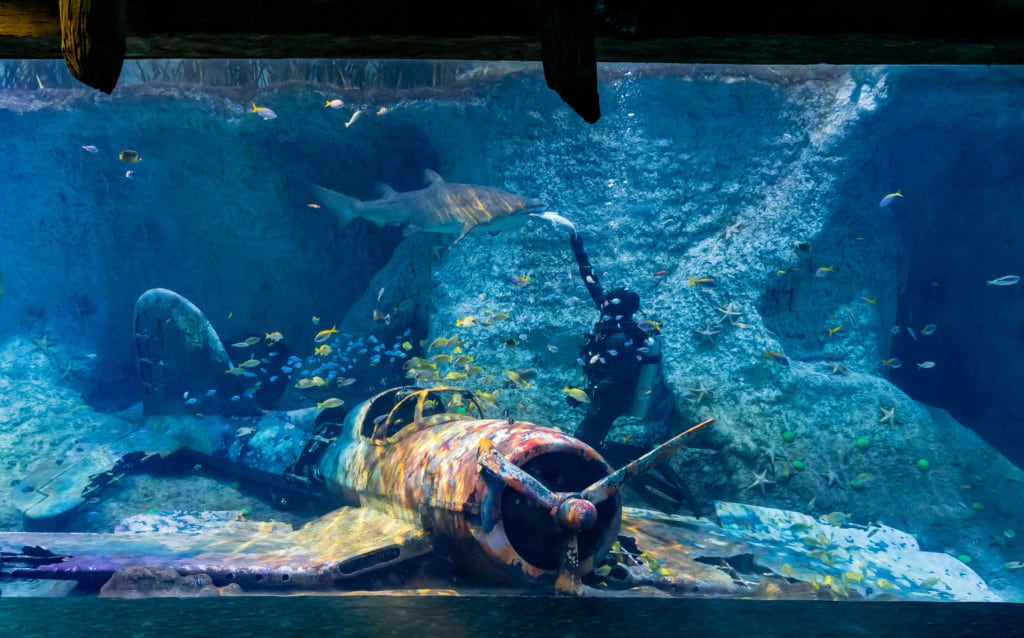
92 39
567 51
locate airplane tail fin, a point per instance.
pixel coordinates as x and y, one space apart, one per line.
344 207
182 362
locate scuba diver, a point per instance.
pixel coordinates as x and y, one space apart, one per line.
620 359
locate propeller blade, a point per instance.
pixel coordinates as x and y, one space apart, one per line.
609 485
570 581
495 463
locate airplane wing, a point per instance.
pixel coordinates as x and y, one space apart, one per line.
809 558
340 545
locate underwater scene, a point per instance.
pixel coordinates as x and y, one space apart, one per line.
326 326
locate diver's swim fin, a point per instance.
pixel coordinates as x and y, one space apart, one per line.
182 363
659 485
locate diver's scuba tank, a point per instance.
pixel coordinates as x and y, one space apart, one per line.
646 378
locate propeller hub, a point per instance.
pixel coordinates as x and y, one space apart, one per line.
577 514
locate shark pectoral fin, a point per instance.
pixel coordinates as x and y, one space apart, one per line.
466 227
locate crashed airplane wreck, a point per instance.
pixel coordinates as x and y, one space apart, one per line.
419 474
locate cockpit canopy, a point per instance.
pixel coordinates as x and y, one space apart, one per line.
383 416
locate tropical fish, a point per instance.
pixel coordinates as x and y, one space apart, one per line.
129 174
455 375
235 371
778 357
333 402
440 207
323 350
660 273
521 280
498 316
344 382
834 329
577 394
892 362
336 103
440 342
324 335
264 112
928 329
707 282
273 337
315 382
910 331
516 378
556 220
352 120
924 365
895 330
884 584
888 199
871 300
129 156
824 270
251 341
1005 280
466 322
249 363
89 148
382 110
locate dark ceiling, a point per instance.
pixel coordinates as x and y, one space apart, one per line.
568 36
801 31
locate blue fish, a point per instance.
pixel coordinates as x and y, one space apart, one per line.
928 329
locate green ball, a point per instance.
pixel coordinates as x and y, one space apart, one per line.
857 484
863 443
964 558
799 465
789 436
922 464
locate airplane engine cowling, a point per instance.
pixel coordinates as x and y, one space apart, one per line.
504 535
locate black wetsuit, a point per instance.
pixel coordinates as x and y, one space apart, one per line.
612 354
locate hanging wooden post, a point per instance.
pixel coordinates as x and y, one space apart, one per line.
568 53
92 39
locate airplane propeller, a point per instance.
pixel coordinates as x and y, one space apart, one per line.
576 511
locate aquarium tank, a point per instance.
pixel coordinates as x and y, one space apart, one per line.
324 326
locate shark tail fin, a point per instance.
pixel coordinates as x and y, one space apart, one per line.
346 208
182 362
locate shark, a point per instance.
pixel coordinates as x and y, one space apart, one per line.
439 207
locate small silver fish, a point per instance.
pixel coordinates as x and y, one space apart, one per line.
924 365
1006 280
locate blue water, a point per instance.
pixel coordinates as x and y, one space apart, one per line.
794 159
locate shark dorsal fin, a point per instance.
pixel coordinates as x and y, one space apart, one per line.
431 177
383 190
